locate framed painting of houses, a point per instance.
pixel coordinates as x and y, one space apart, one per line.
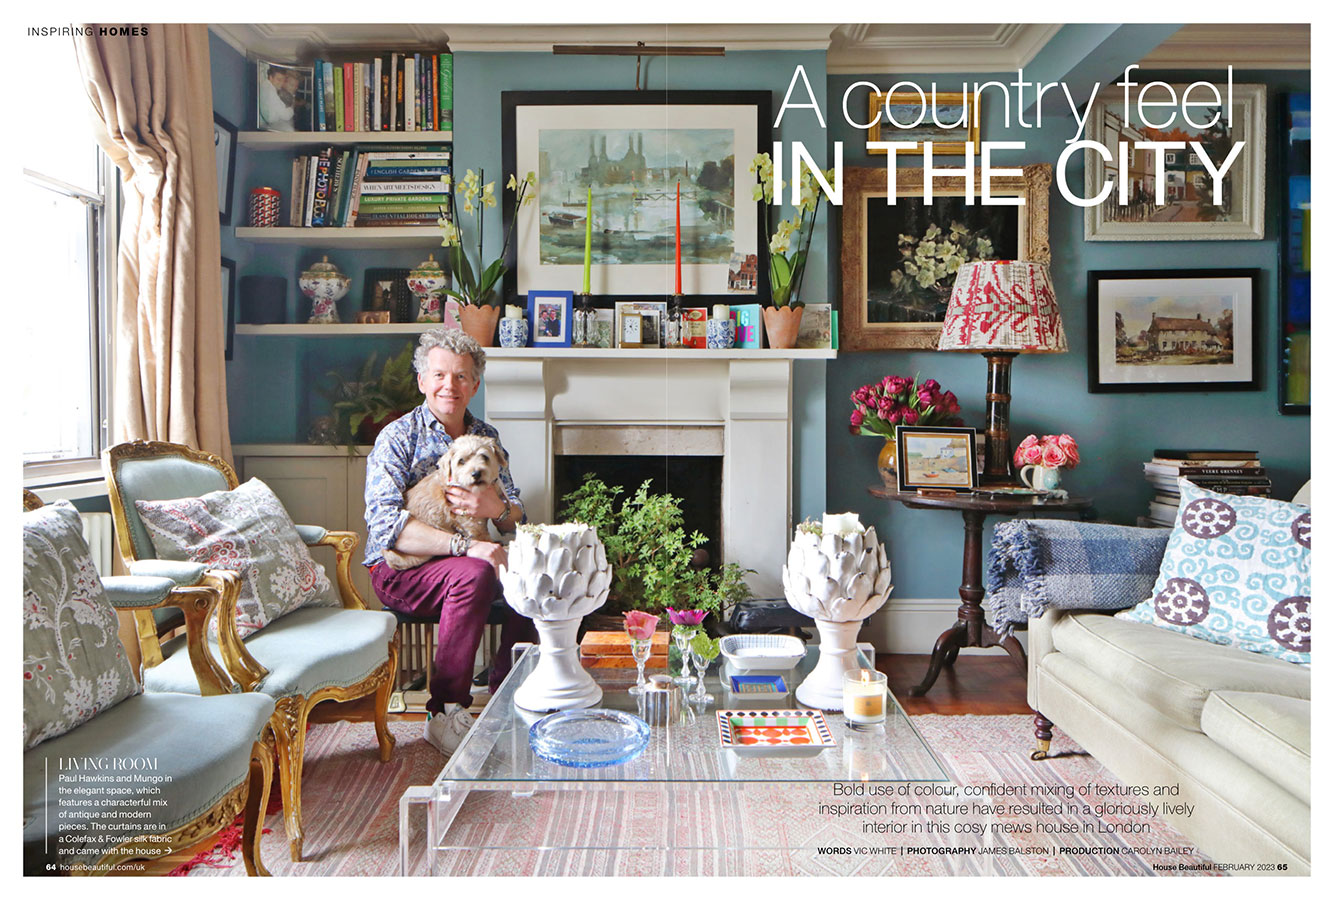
1173 330
639 160
1189 206
898 260
1293 356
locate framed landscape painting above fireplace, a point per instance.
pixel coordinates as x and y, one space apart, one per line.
639 161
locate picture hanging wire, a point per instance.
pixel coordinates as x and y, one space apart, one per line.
640 49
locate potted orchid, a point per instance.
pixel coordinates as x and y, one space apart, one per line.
897 400
476 293
787 268
1039 460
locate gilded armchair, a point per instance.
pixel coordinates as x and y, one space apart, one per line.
348 654
213 754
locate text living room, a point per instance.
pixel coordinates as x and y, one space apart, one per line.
706 413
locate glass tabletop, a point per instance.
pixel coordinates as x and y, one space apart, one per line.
497 751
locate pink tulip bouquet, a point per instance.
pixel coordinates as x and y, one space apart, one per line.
640 625
1050 451
896 400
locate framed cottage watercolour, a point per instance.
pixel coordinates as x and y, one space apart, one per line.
935 457
633 150
1189 209
1173 330
898 262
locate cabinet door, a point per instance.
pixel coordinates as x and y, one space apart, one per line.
357 521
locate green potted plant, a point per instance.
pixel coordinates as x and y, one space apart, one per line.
365 405
787 269
475 289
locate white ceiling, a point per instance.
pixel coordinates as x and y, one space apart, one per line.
974 47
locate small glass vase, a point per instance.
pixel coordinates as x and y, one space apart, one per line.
640 652
680 638
700 695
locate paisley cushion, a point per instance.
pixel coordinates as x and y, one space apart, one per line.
246 530
1235 572
74 666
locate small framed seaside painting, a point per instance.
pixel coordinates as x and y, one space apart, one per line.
931 456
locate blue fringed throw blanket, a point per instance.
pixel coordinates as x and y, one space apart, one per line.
1040 564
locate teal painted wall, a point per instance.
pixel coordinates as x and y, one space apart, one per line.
272 382
1116 432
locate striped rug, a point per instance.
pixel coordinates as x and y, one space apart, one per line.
350 807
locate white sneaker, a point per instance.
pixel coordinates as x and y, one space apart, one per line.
445 730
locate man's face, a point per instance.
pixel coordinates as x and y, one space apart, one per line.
448 383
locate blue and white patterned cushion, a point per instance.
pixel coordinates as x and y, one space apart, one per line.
1235 572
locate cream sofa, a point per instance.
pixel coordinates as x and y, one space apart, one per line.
1231 728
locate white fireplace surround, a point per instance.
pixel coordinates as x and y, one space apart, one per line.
695 405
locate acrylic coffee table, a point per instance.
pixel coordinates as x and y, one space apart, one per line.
670 794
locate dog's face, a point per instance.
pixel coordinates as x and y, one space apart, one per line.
473 461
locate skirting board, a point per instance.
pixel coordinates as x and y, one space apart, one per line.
912 626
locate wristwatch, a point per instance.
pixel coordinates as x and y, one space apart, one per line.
506 512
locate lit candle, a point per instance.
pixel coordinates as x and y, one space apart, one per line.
865 697
677 233
589 217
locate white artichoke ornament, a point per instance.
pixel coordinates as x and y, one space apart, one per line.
837 574
556 575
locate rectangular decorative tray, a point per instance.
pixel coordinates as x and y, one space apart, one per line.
762 652
765 686
774 732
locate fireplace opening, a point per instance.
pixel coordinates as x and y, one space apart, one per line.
696 480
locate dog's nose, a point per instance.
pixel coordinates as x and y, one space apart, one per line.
477 474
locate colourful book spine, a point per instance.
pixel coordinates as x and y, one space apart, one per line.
368 95
310 190
320 196
336 188
338 81
355 193
375 91
415 186
436 91
425 153
383 91
399 95
694 323
430 174
295 192
410 94
318 88
328 82
357 97
417 91
373 204
350 97
447 100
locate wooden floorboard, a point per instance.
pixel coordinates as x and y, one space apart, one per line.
976 685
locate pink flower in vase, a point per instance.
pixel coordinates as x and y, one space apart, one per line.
1019 458
640 625
1053 456
1069 446
686 616
1032 456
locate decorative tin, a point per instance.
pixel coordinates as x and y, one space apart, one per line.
265 203
428 283
324 285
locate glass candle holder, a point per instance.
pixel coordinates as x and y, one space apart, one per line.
865 698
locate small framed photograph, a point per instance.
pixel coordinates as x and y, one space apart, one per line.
1173 330
931 456
653 315
225 158
228 270
283 96
947 120
550 318
631 329
388 290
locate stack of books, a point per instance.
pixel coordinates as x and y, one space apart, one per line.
1223 471
393 92
369 186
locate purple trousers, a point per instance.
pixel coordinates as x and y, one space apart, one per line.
457 591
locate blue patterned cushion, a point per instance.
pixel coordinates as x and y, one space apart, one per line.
1235 572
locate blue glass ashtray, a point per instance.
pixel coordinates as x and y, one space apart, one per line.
589 738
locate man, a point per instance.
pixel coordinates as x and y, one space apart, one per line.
459 585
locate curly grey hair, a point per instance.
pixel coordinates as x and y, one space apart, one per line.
453 340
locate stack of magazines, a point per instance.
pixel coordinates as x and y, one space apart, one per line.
1223 471
369 186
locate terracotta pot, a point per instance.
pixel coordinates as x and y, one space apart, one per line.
886 464
480 323
782 326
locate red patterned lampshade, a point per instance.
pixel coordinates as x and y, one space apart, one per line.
1003 305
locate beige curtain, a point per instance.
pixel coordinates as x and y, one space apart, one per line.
152 98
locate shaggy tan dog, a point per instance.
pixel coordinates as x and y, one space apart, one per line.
473 463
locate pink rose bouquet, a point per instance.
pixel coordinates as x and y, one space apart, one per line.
896 400
1051 451
640 625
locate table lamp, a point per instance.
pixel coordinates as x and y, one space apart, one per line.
1001 308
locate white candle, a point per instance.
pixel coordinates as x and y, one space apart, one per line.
720 311
514 312
865 698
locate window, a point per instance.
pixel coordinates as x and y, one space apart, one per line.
64 278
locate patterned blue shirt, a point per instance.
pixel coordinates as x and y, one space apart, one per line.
404 453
